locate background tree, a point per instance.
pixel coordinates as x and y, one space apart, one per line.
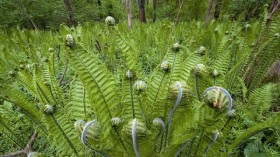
129 16
154 10
68 6
50 14
208 14
141 4
217 9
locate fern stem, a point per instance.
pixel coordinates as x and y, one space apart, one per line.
159 88
58 55
119 137
229 119
216 43
173 64
64 72
214 80
54 99
64 135
196 84
179 97
134 137
216 135
199 141
84 101
181 148
40 91
131 95
142 111
190 149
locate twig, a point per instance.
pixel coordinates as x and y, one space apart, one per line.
26 150
273 9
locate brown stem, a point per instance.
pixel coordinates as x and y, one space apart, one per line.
17 153
26 150
275 6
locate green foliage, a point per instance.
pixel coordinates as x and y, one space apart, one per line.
54 84
50 14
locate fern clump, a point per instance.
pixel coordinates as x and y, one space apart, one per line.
111 92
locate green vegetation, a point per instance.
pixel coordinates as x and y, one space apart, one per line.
49 14
55 85
185 88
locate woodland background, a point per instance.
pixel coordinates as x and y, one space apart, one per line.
49 14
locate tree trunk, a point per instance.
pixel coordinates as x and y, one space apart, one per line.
217 10
70 13
154 10
142 17
208 15
99 7
128 10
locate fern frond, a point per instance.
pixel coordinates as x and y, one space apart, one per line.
129 52
79 106
101 88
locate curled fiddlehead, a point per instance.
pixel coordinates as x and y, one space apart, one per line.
216 97
91 130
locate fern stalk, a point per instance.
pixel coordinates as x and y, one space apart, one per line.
179 97
191 146
131 95
196 84
159 89
142 111
216 135
199 141
134 137
181 148
84 101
